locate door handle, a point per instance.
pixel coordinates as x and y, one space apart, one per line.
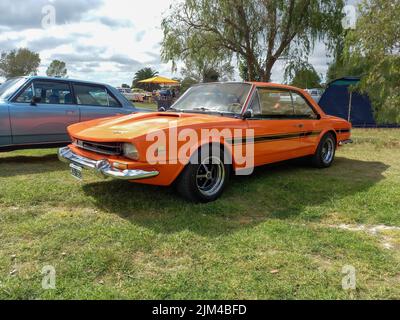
70 112
300 126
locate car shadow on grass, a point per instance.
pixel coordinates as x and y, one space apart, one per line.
24 165
279 191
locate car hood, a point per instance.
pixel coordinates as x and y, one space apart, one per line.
136 125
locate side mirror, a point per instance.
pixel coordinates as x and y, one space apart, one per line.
35 100
248 115
162 109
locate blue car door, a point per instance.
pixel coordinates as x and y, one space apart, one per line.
96 101
5 130
44 120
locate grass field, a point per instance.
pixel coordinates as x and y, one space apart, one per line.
284 233
145 105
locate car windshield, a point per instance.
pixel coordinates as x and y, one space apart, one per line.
214 97
9 87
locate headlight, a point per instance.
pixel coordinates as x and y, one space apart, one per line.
130 151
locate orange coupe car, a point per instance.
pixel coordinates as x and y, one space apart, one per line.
214 130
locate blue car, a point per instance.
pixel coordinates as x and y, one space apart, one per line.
35 111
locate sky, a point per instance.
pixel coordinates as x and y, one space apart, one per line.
100 40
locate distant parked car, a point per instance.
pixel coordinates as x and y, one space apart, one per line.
131 95
35 111
316 94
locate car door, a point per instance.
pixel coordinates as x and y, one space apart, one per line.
96 101
310 120
45 120
5 130
277 132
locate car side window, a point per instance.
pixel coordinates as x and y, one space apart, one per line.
255 106
48 92
94 96
275 103
26 96
302 107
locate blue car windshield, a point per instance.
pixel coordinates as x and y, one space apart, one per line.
10 86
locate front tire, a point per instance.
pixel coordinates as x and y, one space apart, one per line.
326 151
204 180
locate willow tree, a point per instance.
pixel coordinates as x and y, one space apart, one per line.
375 44
256 32
305 77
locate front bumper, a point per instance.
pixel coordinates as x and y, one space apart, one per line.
103 167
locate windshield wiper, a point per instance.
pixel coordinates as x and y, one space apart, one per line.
175 110
202 109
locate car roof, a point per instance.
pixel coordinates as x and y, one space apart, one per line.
258 84
64 79
274 85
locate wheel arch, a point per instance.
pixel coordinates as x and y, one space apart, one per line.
219 144
334 133
325 132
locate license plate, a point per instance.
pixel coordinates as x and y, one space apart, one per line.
76 172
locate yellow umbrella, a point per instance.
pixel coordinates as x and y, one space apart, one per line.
160 80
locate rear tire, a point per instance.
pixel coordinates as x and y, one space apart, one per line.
204 180
326 151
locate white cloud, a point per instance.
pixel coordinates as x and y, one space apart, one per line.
102 40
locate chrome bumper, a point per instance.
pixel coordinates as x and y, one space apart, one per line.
103 167
343 142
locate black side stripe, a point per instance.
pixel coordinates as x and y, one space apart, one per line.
270 138
340 131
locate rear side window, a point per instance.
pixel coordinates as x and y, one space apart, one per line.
301 107
94 96
48 92
281 104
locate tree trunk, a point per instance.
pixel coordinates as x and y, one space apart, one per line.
250 68
268 69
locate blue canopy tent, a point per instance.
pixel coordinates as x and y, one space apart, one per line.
339 101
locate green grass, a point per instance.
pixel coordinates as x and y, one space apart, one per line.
110 239
146 105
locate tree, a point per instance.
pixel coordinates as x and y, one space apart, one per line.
125 86
303 76
143 74
375 43
340 67
205 70
186 83
19 62
244 72
258 32
57 69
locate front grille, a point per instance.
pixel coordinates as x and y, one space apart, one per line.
108 148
